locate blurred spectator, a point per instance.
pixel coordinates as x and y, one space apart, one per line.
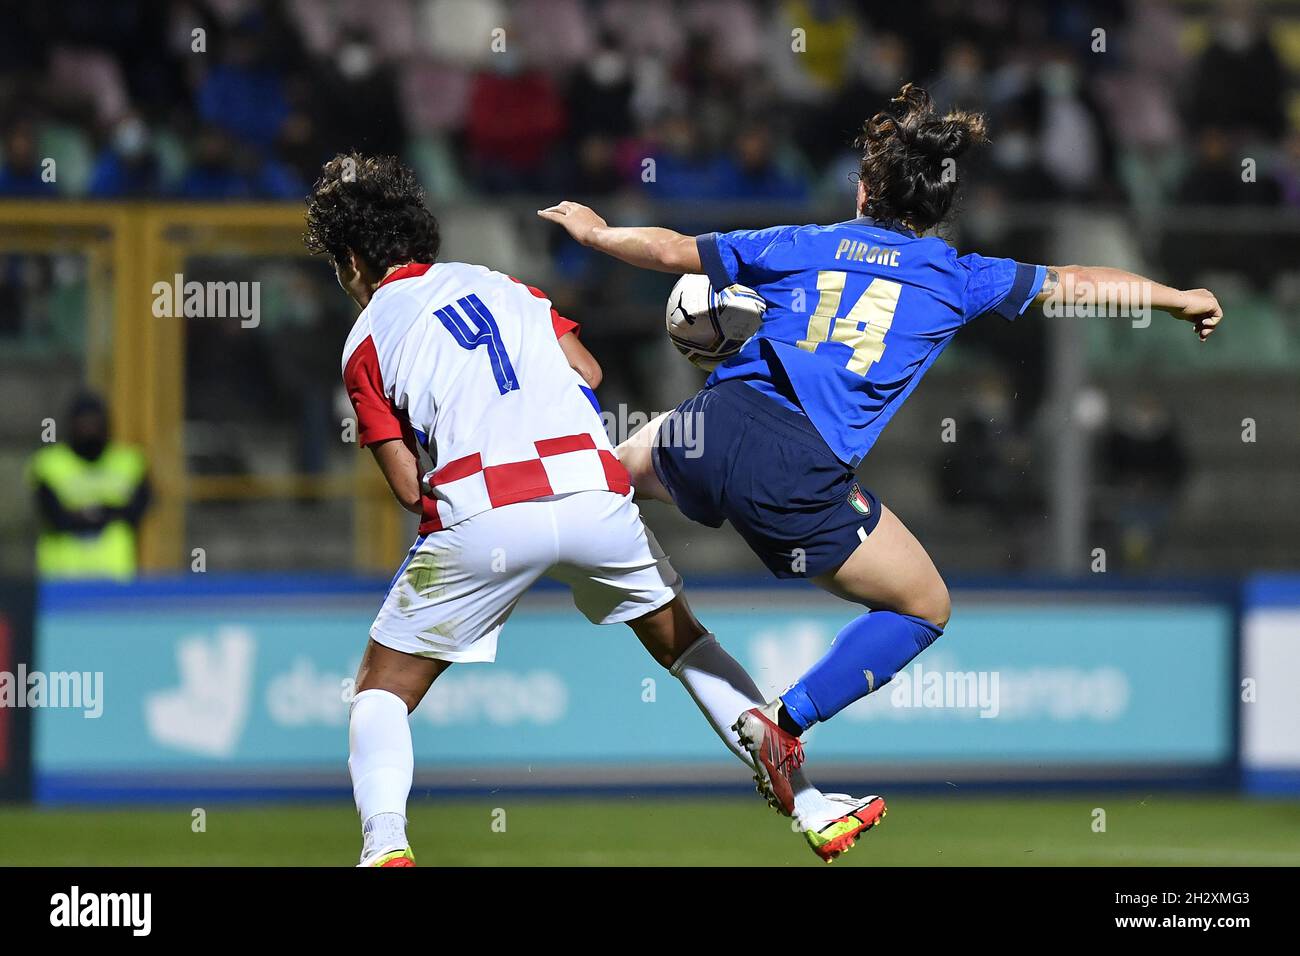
822 36
91 494
746 103
960 84
221 169
244 93
987 469
1140 104
1143 464
460 31
989 453
754 172
1217 176
685 168
359 93
1014 161
1288 171
600 122
1238 82
1067 123
548 95
20 175
596 172
829 125
212 172
90 76
128 167
301 352
600 95
516 119
305 136
555 32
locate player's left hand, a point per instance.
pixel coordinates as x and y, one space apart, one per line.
1202 309
577 219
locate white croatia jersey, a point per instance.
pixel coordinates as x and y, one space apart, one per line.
466 362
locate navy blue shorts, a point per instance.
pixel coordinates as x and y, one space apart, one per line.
731 453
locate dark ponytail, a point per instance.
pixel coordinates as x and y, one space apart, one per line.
904 149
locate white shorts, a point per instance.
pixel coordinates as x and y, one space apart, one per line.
457 586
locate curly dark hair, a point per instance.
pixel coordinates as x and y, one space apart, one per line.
373 206
904 152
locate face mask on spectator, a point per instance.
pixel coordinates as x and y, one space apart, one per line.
505 63
356 61
608 67
1236 35
129 138
1058 79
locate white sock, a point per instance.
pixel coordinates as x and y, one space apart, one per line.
381 833
720 687
382 763
723 690
809 802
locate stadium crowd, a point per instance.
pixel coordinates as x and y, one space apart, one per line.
1143 103
234 99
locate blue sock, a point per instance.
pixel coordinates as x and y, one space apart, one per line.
864 657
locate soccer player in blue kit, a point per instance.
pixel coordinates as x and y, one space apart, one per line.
856 313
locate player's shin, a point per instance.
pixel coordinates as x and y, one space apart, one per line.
720 687
723 690
382 763
864 656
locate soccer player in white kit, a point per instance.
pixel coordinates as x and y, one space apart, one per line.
480 372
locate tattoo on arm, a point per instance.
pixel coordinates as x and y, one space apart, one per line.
1050 283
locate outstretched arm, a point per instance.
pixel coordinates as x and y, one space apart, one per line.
1071 285
647 247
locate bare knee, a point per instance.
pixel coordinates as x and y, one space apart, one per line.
410 696
405 676
934 604
668 632
929 601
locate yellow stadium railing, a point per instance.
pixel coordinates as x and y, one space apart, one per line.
139 360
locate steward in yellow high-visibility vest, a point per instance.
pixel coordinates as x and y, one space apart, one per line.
90 496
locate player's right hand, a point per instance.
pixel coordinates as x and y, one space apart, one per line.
578 220
1202 309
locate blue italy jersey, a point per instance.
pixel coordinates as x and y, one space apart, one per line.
856 312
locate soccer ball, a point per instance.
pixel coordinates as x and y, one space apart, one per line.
708 326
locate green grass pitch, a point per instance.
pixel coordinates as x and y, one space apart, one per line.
1154 830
